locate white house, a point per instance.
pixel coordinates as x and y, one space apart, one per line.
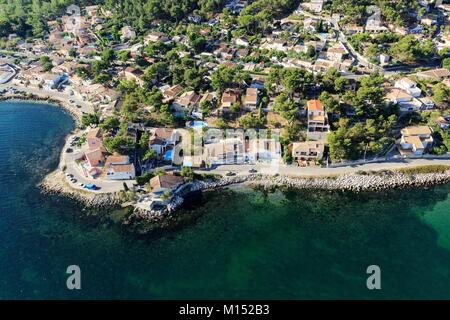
264 150
302 152
409 86
119 168
427 103
163 138
121 172
384 58
415 140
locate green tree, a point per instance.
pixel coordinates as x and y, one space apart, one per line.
90 118
149 154
285 107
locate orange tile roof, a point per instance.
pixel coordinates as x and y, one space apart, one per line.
315 105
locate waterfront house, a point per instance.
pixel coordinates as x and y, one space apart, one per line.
94 140
194 161
95 159
96 93
304 152
263 150
415 140
224 151
318 126
166 183
118 167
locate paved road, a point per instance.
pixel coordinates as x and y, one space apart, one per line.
359 59
318 171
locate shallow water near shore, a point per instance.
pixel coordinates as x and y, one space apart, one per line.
242 243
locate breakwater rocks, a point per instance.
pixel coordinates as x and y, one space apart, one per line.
351 182
160 212
144 221
55 183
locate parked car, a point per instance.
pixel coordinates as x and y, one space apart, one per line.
91 186
229 174
253 170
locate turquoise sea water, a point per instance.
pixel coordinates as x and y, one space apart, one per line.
241 243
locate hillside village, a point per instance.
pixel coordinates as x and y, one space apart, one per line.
313 84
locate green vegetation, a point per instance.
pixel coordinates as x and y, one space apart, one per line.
187 173
355 11
46 63
145 178
256 17
435 168
363 138
28 18
409 50
90 118
82 140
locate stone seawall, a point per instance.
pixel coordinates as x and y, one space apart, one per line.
350 182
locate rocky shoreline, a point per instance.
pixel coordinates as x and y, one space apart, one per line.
76 115
358 182
377 181
371 182
54 183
